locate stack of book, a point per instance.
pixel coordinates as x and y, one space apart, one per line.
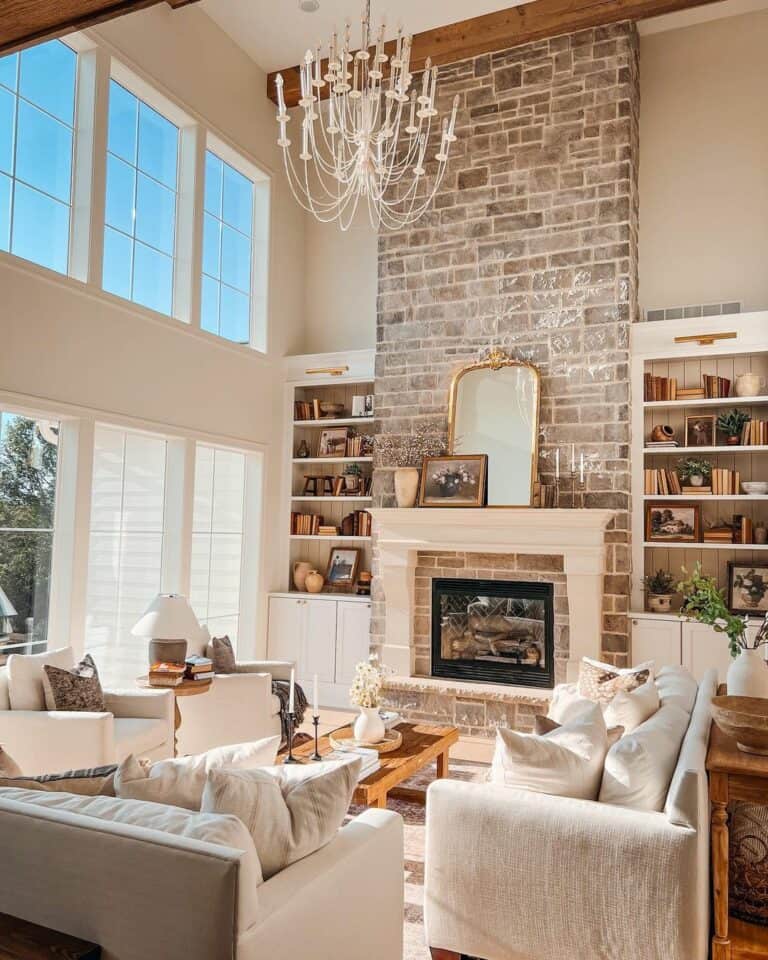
355 446
164 674
660 388
357 524
199 668
716 386
661 444
755 433
662 482
725 482
307 410
691 393
723 534
327 530
305 524
371 759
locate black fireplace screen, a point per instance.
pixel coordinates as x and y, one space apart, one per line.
493 630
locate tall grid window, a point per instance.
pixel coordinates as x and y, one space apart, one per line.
125 550
227 251
217 539
37 118
142 183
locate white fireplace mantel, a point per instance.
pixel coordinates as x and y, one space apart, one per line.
576 535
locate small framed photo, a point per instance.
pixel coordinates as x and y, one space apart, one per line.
358 406
673 523
700 431
369 405
333 442
748 588
453 481
342 567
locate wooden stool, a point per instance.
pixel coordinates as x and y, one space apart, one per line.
310 485
20 940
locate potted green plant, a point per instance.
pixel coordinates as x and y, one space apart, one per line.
704 602
352 474
731 424
694 471
661 590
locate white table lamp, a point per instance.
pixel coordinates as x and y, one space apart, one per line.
168 622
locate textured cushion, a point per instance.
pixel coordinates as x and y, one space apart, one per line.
76 689
566 703
545 725
138 735
630 708
676 685
25 676
223 656
96 781
180 782
8 766
567 762
290 811
638 768
601 682
222 830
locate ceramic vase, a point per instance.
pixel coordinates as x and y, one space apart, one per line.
369 727
760 534
696 479
300 570
748 385
406 486
314 581
748 675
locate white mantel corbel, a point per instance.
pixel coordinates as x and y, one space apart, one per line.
576 535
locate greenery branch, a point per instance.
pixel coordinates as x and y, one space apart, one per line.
705 602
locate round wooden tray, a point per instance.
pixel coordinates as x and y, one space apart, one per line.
345 738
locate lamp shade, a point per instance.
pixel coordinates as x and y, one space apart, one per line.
7 609
168 617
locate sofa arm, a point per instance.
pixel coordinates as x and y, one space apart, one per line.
140 704
512 873
52 742
277 669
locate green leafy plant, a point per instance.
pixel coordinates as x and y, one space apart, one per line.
731 423
693 467
660 583
353 470
705 602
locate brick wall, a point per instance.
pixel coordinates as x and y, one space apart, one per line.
531 246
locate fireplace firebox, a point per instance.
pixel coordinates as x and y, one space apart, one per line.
495 631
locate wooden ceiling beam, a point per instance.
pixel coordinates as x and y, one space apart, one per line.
26 22
504 29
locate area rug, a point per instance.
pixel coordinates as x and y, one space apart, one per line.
414 946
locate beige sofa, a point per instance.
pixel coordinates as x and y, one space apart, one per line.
511 875
147 894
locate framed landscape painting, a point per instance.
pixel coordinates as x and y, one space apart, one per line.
673 522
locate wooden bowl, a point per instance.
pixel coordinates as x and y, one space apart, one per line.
331 410
745 719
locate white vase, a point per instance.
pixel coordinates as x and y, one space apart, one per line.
369 727
406 486
748 675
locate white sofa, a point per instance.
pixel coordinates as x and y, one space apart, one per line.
511 875
143 894
42 741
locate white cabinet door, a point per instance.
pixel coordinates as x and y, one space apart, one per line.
704 649
658 640
319 651
286 629
352 638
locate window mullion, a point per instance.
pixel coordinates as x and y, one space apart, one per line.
189 225
177 516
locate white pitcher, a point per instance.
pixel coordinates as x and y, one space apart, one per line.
749 385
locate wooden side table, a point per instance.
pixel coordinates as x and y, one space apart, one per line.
733 775
187 688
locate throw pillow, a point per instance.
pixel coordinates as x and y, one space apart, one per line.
223 656
630 708
600 682
568 762
289 811
639 768
180 782
94 782
676 685
77 689
25 676
8 766
545 725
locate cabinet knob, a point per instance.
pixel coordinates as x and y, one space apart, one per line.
634 623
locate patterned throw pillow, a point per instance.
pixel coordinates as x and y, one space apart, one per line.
223 656
77 689
600 682
93 782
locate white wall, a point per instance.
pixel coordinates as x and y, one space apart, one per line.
704 164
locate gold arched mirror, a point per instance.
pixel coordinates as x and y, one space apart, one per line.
494 409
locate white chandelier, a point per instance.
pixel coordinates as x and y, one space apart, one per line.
370 139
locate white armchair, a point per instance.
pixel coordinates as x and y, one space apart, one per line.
42 741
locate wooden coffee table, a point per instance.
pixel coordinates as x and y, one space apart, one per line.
422 743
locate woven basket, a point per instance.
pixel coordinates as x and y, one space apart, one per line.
748 882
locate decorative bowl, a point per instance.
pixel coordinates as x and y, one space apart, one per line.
755 487
328 409
745 719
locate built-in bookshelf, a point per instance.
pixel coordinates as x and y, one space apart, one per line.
329 423
718 350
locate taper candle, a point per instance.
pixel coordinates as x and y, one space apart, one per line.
292 692
315 699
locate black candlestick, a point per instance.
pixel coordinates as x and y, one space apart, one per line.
291 718
316 724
